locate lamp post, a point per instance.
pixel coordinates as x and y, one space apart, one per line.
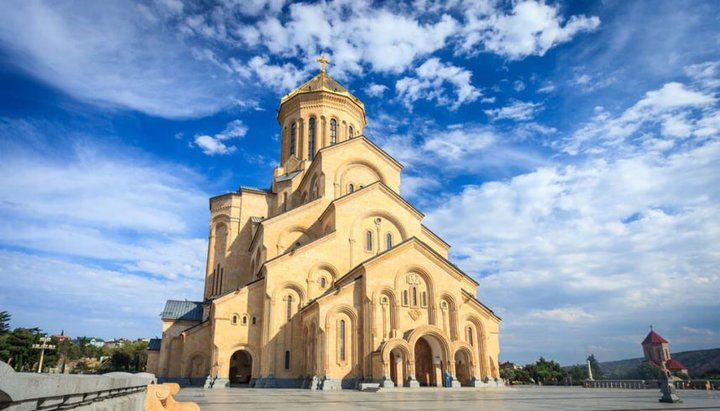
42 347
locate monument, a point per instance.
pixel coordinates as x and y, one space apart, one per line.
327 279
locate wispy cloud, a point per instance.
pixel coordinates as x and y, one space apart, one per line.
517 111
676 108
105 204
110 55
608 236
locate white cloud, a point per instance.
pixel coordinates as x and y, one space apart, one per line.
532 28
570 315
413 186
216 145
281 78
430 82
605 238
212 146
677 108
466 149
610 240
84 300
375 90
109 54
356 33
92 201
517 110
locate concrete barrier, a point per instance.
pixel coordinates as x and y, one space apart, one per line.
21 391
653 384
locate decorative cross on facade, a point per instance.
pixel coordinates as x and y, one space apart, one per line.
42 347
323 62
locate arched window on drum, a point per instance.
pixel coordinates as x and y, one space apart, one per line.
333 132
293 136
311 138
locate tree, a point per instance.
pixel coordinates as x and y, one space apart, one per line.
577 374
545 371
645 371
508 374
16 348
4 322
595 366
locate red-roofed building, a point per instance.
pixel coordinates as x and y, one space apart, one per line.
657 352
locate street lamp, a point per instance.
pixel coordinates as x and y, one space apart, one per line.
42 347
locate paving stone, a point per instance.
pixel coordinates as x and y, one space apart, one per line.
502 399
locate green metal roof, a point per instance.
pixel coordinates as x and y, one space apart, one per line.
154 344
182 310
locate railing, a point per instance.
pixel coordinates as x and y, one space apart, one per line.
653 384
114 391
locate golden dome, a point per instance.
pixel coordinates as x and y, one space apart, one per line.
322 82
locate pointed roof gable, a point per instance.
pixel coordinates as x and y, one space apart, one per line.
654 338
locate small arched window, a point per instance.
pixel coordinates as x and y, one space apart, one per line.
351 133
388 241
244 320
289 307
414 296
470 338
368 240
287 360
424 299
405 297
254 321
333 131
293 135
311 138
322 282
351 188
234 320
342 340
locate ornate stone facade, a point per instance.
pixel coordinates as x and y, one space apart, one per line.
329 279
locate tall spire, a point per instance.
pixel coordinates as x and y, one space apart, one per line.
323 62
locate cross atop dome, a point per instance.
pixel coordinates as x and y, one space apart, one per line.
323 62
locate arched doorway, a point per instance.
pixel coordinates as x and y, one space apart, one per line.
430 361
397 367
240 367
463 368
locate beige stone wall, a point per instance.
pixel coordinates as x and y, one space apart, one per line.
340 280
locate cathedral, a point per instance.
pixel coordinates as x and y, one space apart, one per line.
328 279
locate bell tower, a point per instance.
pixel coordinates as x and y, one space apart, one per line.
317 114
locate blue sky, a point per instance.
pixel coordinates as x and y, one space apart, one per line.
567 151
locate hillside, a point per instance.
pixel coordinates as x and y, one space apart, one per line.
698 362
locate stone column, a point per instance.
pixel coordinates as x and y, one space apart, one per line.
411 381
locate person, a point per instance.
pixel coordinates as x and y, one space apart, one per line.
446 380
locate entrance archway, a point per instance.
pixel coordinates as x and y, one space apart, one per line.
429 361
463 368
240 367
424 364
397 367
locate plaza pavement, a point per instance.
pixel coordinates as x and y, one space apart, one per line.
510 399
